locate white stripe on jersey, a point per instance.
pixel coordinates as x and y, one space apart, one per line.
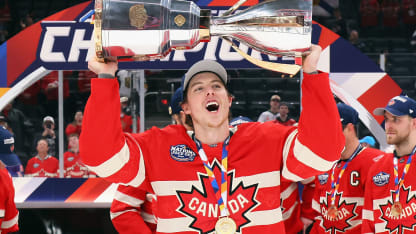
316 206
114 215
288 212
10 223
382 201
129 200
368 214
148 218
288 191
257 218
380 227
2 212
113 164
306 156
168 188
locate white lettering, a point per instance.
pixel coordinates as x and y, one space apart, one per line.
78 44
354 178
191 205
413 205
202 209
212 210
241 199
228 54
211 48
46 53
233 205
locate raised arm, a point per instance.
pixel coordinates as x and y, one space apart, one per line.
318 142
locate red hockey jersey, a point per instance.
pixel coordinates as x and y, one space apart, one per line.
47 167
165 161
74 168
349 198
9 215
130 208
377 217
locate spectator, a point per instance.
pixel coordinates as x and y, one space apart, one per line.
283 117
270 115
43 164
389 191
355 40
390 10
340 191
18 125
10 159
73 167
125 116
9 214
49 87
75 126
368 141
49 134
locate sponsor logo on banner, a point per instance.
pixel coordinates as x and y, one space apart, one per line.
381 178
182 153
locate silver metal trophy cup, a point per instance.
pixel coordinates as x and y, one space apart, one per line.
149 29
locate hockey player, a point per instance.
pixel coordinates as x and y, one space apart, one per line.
390 201
212 179
9 214
339 193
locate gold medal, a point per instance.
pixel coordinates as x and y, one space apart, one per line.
333 212
225 225
396 209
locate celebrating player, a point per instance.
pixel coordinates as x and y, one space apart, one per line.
213 178
339 193
390 201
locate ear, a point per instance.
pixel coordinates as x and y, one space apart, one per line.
185 108
230 100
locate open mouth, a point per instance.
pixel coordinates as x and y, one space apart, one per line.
212 106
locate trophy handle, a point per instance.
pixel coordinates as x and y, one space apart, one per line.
290 69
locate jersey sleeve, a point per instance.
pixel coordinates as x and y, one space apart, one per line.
11 214
318 142
104 148
131 210
307 197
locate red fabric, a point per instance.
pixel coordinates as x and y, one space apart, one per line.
42 168
288 122
168 163
131 210
127 123
378 201
291 206
349 197
72 128
369 10
7 205
30 95
390 9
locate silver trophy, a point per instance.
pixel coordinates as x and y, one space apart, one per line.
149 29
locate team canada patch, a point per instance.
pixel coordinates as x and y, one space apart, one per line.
346 213
203 208
182 153
323 178
381 178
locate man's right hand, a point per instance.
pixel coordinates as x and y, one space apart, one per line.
109 67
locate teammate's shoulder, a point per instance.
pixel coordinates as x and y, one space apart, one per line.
374 154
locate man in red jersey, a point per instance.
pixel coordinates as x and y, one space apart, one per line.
9 215
43 164
339 193
212 179
390 201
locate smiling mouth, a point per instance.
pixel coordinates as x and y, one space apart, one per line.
212 106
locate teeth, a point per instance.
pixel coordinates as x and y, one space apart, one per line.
212 103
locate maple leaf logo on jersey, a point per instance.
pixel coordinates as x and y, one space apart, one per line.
346 212
407 219
203 208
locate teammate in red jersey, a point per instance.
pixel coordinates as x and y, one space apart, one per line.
213 178
390 201
9 215
339 193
